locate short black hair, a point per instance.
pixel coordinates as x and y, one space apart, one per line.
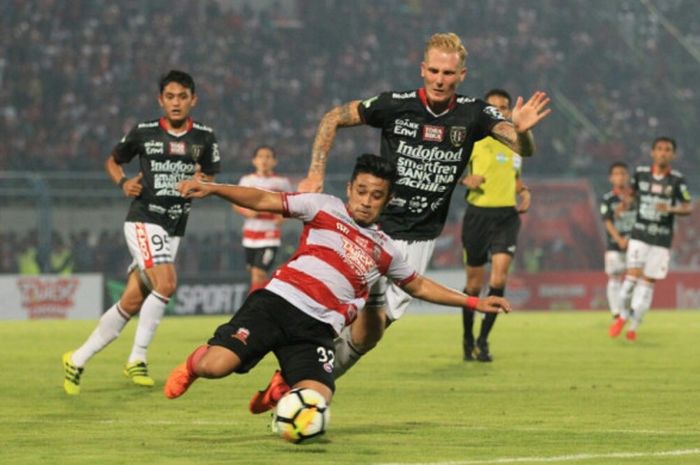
174 75
268 147
376 166
618 164
499 93
670 140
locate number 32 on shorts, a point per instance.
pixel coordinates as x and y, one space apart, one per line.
325 356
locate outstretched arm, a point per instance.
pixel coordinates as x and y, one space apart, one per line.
526 115
426 289
246 197
341 116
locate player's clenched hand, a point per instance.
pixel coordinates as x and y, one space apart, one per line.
525 199
310 184
191 189
473 181
132 187
526 115
493 304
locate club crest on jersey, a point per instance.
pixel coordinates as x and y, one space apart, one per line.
242 335
458 134
178 148
196 151
433 133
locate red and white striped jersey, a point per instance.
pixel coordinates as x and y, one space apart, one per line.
263 230
337 261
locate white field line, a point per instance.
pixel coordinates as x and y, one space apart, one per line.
206 422
559 458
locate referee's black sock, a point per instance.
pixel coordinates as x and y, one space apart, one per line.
468 325
490 318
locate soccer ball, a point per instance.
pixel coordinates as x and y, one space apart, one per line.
301 415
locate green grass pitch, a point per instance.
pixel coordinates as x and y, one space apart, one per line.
559 391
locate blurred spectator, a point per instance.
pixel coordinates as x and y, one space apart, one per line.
72 73
61 256
28 256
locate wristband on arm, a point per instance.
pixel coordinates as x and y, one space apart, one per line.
471 302
122 181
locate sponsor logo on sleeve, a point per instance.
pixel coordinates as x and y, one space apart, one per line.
403 95
433 133
367 103
215 155
494 113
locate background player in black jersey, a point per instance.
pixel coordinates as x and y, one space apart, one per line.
170 149
660 194
429 134
618 214
491 223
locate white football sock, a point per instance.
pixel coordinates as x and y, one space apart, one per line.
108 328
641 302
152 311
613 291
346 354
626 295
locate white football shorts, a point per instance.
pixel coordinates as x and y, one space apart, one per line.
149 245
615 262
653 259
389 295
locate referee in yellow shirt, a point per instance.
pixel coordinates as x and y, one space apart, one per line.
491 223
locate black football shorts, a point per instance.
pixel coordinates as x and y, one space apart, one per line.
267 323
488 231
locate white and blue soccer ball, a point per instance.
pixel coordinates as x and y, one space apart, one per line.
301 416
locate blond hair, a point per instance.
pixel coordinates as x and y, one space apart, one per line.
448 42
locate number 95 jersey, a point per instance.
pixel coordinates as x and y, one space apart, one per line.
164 160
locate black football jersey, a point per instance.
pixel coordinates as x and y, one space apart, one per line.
430 151
165 160
652 226
623 220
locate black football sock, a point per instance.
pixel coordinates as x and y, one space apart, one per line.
468 325
490 318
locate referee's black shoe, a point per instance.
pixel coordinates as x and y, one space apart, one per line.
468 347
482 351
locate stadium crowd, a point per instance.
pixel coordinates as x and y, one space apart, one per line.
74 76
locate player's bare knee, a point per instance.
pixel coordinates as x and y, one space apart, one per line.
210 367
166 287
130 305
